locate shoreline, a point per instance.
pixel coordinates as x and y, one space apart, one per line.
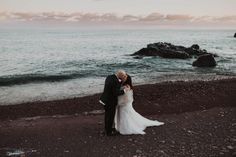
154 80
163 98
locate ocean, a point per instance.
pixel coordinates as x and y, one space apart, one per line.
48 64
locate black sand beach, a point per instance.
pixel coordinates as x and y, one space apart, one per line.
199 116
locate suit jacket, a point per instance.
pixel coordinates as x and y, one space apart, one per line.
112 90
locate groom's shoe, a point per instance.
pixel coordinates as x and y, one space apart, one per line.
110 134
115 132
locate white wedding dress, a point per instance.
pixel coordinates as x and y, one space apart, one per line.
127 120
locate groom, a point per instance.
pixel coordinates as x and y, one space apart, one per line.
109 98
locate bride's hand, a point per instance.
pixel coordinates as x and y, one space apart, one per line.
126 88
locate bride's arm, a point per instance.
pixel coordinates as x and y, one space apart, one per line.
118 91
126 98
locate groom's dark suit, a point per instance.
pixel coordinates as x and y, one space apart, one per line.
110 97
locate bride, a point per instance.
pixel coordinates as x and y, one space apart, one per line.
127 120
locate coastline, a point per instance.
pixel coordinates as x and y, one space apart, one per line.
57 91
164 97
199 119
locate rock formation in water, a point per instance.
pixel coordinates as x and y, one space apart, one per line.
206 60
168 50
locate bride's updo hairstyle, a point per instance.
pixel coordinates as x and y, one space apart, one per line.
128 82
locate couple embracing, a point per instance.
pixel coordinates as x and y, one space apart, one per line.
117 99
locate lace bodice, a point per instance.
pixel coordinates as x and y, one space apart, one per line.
126 98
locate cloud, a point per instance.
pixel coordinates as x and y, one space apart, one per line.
5 16
179 17
226 18
108 18
130 18
153 17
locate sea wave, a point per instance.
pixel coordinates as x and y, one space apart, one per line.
34 78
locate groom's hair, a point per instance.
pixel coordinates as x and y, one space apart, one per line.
121 72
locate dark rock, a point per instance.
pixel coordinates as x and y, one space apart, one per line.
196 52
146 52
173 54
235 35
168 50
165 50
193 51
138 57
214 55
195 46
206 60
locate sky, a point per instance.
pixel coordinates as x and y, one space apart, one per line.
145 12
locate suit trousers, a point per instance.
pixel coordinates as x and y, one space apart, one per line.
110 110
